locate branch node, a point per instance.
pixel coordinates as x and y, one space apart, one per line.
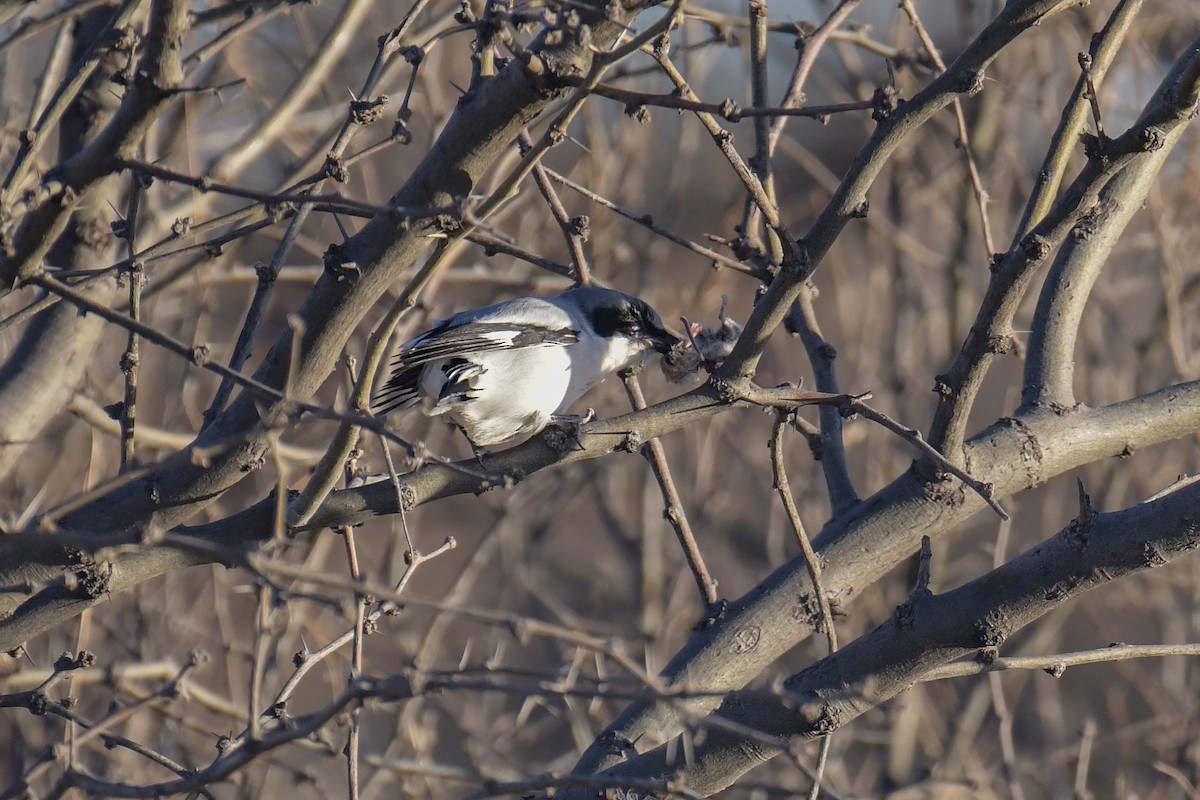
1035 247
1151 138
335 168
884 103
991 631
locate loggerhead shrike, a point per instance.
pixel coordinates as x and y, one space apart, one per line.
508 369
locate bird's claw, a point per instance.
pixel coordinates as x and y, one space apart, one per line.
565 430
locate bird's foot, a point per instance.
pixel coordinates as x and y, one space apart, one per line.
476 450
565 429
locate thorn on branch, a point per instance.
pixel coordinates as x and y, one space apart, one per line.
1086 510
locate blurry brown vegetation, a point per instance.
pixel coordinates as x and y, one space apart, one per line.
288 172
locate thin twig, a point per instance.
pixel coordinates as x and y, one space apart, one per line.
197 354
1057 665
305 660
130 360
811 560
36 700
356 665
673 511
761 162
726 109
789 397
964 139
1105 45
647 222
724 142
333 203
822 355
1004 717
492 244
574 229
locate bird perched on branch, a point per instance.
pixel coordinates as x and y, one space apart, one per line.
509 369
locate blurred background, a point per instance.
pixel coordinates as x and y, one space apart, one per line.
585 547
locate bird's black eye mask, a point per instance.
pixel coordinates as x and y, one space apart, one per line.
628 320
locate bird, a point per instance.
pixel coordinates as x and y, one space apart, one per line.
511 368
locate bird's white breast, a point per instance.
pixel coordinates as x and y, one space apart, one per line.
517 392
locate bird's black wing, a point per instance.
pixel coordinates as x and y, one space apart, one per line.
450 341
478 337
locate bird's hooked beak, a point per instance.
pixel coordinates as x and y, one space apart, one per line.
662 340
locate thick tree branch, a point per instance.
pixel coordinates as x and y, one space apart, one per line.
861 546
1050 360
933 630
1013 455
